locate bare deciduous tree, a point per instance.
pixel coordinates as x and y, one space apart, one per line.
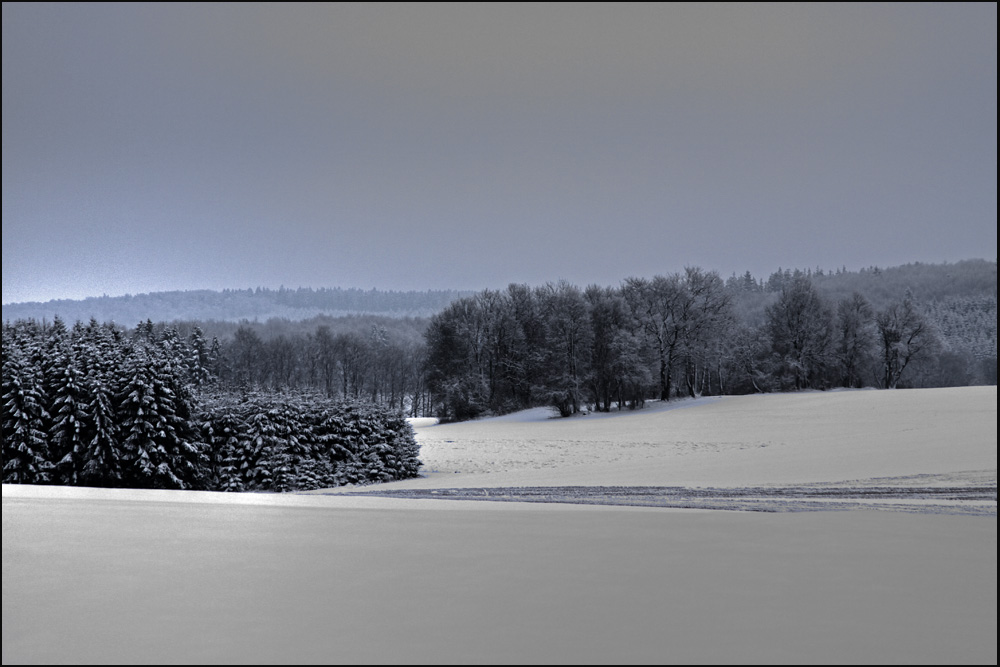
904 337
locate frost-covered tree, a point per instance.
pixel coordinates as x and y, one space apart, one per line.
96 406
457 365
103 459
904 338
653 304
257 449
198 359
26 456
221 428
288 446
678 314
70 413
609 325
855 338
352 359
325 360
747 352
707 312
245 358
159 445
568 345
800 328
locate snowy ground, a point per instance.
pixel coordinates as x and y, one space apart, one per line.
918 450
728 441
117 576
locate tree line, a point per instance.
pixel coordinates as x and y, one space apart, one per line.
673 335
97 405
381 362
600 348
287 404
689 333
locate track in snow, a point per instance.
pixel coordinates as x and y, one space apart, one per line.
976 499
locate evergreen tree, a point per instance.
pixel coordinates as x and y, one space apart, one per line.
26 458
219 427
103 459
258 448
123 414
157 438
197 362
70 411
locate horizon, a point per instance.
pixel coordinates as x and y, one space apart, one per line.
724 276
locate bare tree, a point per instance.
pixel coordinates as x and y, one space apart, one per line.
677 313
800 328
855 319
247 355
904 337
747 350
568 344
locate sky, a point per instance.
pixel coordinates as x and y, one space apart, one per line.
151 147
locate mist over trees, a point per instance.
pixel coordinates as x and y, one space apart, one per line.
691 334
355 358
234 305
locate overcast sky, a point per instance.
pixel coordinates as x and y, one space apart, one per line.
158 147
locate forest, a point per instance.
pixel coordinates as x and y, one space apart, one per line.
233 305
601 348
693 334
94 405
320 401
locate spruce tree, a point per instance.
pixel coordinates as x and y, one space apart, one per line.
103 458
70 408
157 439
25 444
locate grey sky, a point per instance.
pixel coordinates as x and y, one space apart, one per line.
157 147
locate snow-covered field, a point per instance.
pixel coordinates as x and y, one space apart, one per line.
117 576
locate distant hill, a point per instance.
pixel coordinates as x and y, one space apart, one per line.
234 305
959 297
881 285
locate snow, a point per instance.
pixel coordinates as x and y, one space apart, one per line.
729 441
111 575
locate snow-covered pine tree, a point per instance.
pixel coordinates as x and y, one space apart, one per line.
189 453
197 359
226 452
160 447
311 469
280 458
25 444
146 464
70 407
103 458
316 468
257 446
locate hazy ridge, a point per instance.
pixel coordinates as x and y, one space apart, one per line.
234 305
969 279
